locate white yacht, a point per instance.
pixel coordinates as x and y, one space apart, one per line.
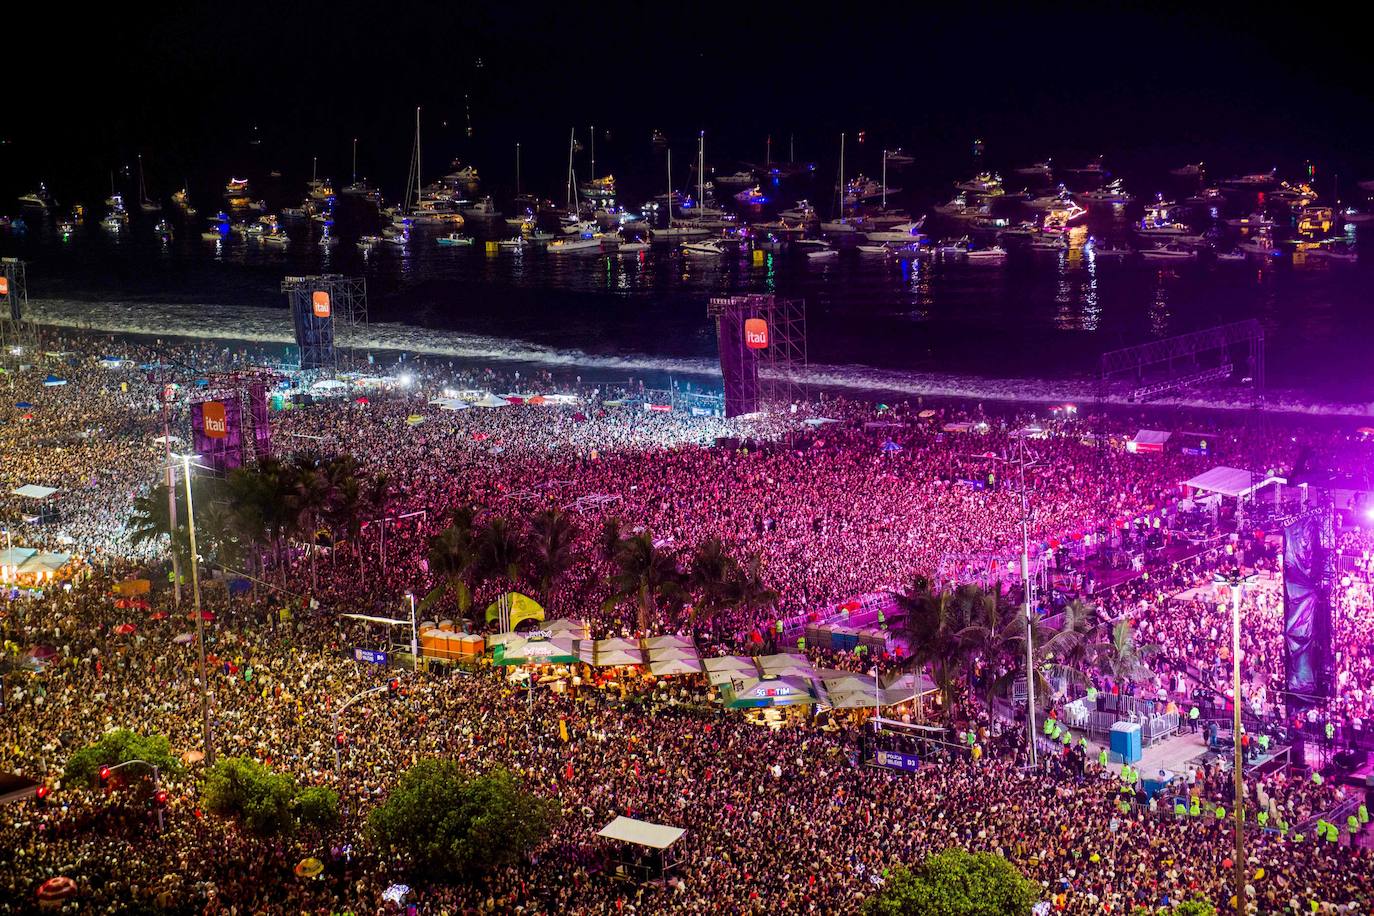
1113 194
1108 250
482 209
1191 170
993 255
984 184
1040 170
707 248
1168 253
37 200
454 240
903 232
736 179
575 245
802 212
899 158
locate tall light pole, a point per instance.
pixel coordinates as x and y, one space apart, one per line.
1235 581
1026 601
200 620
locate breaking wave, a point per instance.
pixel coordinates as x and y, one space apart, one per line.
257 324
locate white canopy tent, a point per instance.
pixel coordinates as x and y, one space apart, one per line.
666 642
1232 482
671 666
1148 440
490 400
723 669
34 491
641 833
449 404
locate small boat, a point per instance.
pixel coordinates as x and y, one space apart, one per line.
482 209
66 227
575 246
634 247
994 255
37 200
112 222
515 244
899 158
1150 229
866 248
1256 220
1255 182
707 248
1231 257
1092 168
751 197
1338 254
902 232
1113 195
144 202
736 179
396 241
368 242
1108 250
1168 253
984 184
163 227
1260 246
236 187
843 225
1036 170
1356 218
454 240
1026 229
276 239
293 213
815 249
328 240
1049 242
1191 170
803 212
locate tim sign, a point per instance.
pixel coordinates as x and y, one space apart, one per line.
215 425
319 303
755 333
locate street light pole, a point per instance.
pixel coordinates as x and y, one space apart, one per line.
200 621
338 759
1026 601
414 640
1235 582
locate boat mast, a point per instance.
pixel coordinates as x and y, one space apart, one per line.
768 154
670 189
517 169
592 130
314 171
142 191
355 160
841 176
791 148
572 142
417 156
701 168
884 179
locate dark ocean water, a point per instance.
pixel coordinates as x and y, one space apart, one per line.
1038 316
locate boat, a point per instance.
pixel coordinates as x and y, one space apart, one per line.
984 184
113 222
66 227
1259 245
751 197
903 232
461 174
844 224
632 247
1113 194
1315 220
1040 170
707 248
396 241
1340 254
1060 198
37 200
293 213
163 227
898 158
182 198
866 248
1168 253
1256 220
276 239
1191 170
602 188
815 248
1025 229
1356 218
992 255
575 246
482 209
514 244
236 187
328 240
1258 181
368 242
1108 250
144 203
672 233
1092 168
803 212
1156 229
1049 242
1231 257
735 179
862 189
453 240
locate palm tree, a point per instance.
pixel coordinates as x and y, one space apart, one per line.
748 592
1053 649
608 538
151 519
644 576
453 555
991 635
550 550
1114 652
500 554
308 497
933 620
712 575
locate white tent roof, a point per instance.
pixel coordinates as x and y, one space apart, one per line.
641 833
1232 482
328 384
564 626
34 491
671 653
606 659
1151 437
730 663
44 563
449 404
490 400
665 667
670 641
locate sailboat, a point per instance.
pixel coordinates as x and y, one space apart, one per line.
414 211
320 188
676 233
841 223
358 188
144 204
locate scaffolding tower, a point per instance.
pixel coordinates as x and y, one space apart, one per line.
16 331
778 369
348 314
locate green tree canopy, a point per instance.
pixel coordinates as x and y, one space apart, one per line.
118 746
1198 906
443 821
264 802
955 883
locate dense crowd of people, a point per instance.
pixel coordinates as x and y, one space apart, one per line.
778 820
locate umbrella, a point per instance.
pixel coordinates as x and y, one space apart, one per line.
183 639
926 414
54 890
204 615
309 868
124 629
42 651
361 400
159 615
190 757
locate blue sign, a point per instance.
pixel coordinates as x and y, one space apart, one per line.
893 760
369 655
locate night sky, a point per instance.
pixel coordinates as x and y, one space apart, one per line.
1148 87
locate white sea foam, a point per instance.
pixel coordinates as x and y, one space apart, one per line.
270 325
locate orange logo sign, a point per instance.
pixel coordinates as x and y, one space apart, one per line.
4 286
216 427
319 303
755 333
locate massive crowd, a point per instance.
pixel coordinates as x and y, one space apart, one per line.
778 821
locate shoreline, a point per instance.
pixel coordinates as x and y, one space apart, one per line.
260 325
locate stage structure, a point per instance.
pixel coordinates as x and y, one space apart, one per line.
329 313
1210 357
229 421
15 329
762 345
1308 576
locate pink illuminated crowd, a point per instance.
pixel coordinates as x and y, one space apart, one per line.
778 820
